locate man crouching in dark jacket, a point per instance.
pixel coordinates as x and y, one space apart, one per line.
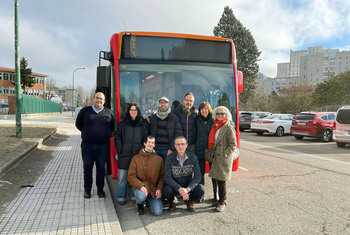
182 176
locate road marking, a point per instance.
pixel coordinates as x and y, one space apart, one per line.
296 152
242 168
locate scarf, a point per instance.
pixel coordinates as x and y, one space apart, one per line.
217 125
163 115
187 111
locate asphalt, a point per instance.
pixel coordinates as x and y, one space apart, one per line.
56 205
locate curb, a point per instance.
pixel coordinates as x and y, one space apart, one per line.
8 165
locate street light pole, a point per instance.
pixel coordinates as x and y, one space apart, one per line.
18 78
73 91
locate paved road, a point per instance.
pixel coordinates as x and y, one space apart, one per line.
284 186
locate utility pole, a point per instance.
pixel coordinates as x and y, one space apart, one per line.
18 78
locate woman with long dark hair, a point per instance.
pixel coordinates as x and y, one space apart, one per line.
131 133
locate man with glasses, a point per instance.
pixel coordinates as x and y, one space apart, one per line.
186 114
165 126
96 124
182 176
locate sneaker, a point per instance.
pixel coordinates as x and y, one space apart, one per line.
220 207
140 210
87 194
189 205
172 207
101 194
122 203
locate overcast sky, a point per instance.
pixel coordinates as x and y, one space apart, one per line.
58 36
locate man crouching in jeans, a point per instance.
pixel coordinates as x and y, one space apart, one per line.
146 175
182 176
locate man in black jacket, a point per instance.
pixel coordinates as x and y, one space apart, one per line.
182 176
96 124
165 126
187 116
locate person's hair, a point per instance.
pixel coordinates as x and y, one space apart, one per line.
189 93
180 137
203 105
127 115
150 137
101 93
228 113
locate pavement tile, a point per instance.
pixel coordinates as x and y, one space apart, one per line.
55 205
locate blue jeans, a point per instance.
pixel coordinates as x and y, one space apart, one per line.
123 186
94 154
156 205
162 153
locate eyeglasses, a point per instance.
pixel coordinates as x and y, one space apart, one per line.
163 102
220 114
181 144
133 110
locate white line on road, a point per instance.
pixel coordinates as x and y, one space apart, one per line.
296 152
242 168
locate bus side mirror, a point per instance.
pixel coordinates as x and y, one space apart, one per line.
240 82
103 83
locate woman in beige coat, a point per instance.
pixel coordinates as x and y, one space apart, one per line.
222 138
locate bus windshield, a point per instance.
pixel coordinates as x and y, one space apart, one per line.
146 83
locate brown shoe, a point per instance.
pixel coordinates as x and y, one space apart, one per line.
189 205
122 203
220 207
172 207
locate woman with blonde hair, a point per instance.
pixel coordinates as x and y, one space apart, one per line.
222 141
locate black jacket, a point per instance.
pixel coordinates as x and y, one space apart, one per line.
174 128
130 136
203 130
189 130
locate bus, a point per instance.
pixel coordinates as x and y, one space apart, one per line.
144 66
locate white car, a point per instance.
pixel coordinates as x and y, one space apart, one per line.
275 123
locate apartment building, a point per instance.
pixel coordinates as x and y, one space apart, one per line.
7 84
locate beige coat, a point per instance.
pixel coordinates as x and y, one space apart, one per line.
225 145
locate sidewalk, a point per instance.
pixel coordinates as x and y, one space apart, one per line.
56 204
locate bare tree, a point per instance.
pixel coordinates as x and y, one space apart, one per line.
80 97
50 86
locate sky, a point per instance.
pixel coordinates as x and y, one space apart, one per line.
58 36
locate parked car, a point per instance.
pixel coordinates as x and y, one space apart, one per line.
313 124
275 123
245 118
4 108
341 126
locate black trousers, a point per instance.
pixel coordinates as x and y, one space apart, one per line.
169 193
94 154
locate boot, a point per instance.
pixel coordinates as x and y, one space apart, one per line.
215 190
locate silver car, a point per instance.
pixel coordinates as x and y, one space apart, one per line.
341 126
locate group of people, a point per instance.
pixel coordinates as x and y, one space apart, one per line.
162 158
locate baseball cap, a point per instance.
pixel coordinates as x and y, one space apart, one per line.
163 98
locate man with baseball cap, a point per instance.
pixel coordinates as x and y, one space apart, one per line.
165 126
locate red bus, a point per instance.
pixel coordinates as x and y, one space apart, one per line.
145 66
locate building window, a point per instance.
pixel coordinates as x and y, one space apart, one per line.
6 76
6 90
12 90
0 76
0 89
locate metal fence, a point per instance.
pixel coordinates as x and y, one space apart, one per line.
33 104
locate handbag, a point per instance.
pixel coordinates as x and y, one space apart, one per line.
209 155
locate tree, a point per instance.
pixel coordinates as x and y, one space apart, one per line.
50 85
246 50
335 91
27 80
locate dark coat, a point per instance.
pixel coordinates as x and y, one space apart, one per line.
174 128
203 130
225 146
129 140
189 130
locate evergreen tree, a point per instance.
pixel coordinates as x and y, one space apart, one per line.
246 50
27 80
